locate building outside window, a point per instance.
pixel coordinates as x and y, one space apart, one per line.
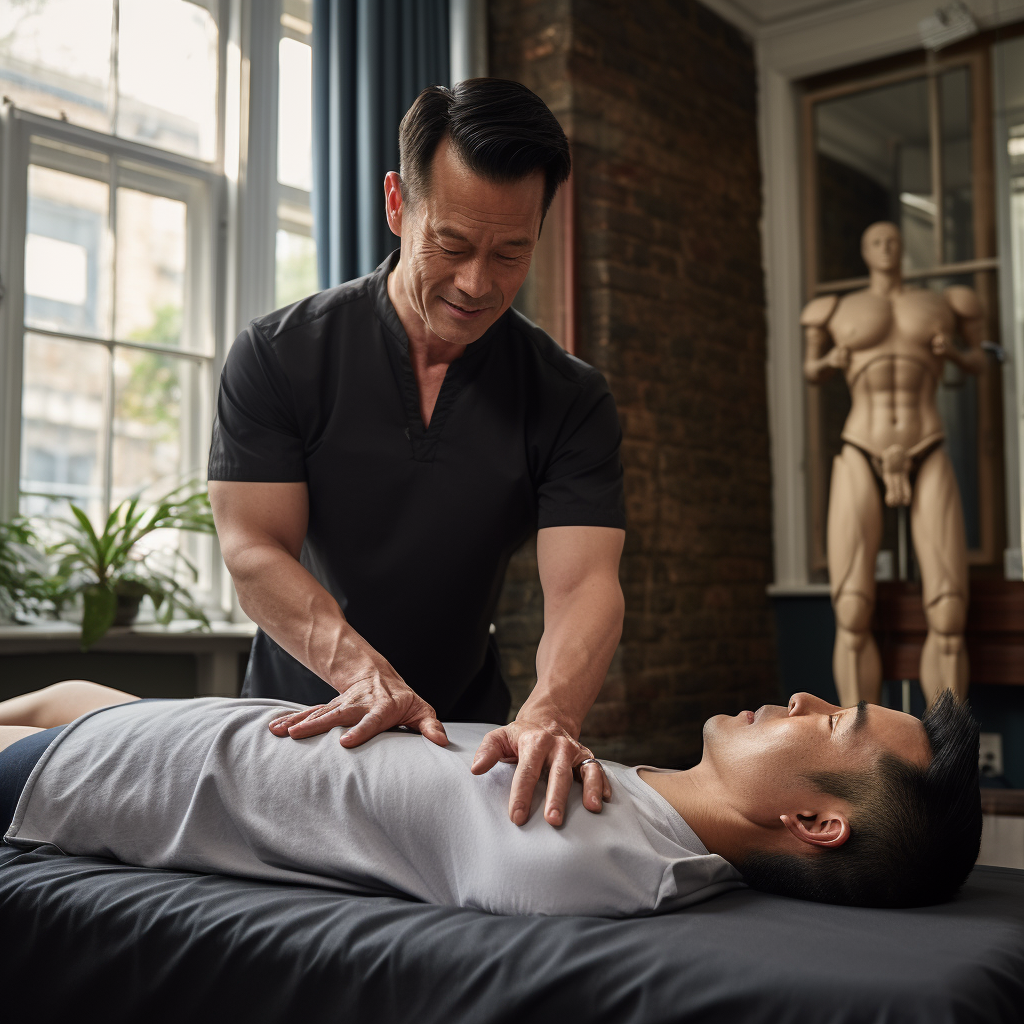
116 233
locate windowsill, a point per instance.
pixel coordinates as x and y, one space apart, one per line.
1009 802
218 651
184 637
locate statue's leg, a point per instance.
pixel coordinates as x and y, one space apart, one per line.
854 535
937 525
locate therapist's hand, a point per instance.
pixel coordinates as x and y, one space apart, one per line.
537 746
375 698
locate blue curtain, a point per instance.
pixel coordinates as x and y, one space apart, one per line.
371 58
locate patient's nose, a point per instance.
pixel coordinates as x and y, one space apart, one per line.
808 704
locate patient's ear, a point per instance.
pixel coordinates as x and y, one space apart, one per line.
831 829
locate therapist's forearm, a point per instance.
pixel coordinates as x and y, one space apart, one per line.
296 611
581 631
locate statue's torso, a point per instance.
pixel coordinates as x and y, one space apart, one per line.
893 373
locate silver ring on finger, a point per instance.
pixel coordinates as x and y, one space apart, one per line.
589 760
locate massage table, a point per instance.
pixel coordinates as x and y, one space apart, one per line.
90 939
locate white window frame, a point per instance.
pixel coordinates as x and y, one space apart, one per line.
238 272
225 238
174 177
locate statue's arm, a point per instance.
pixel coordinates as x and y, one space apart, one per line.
970 322
821 357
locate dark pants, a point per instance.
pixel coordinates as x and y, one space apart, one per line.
16 764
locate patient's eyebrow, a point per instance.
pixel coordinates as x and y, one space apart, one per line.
861 719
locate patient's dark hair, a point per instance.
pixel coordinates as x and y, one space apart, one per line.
914 832
499 129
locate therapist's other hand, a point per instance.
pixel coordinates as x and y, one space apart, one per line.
375 700
535 747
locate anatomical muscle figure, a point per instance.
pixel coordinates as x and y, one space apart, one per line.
891 342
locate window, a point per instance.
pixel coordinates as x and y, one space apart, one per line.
295 263
110 253
145 70
914 147
155 179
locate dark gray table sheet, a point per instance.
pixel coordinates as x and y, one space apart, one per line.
90 939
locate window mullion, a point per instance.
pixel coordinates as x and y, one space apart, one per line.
115 76
935 131
13 220
108 477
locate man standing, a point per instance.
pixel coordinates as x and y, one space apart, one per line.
382 448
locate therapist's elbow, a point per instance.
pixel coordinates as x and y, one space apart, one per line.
617 610
599 594
250 557
255 521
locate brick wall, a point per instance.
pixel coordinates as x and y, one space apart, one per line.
659 102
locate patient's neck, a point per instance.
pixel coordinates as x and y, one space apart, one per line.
695 797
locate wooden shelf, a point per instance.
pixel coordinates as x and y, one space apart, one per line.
994 634
1008 802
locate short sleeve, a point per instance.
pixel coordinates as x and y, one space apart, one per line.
583 482
256 437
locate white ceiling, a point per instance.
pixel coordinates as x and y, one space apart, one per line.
761 19
754 16
765 12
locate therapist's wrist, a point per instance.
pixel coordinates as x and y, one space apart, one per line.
545 713
348 659
354 660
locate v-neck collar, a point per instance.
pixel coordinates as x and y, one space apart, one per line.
423 439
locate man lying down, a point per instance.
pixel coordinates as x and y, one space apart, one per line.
860 805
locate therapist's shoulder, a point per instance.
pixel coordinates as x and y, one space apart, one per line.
546 359
321 317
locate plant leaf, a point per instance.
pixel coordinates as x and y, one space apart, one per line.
193 568
83 520
112 521
100 607
93 542
131 520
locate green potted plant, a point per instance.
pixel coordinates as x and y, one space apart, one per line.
113 575
26 587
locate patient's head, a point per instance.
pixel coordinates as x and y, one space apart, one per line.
863 805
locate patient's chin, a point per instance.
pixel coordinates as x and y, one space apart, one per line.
712 727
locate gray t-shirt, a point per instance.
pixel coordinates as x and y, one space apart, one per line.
203 785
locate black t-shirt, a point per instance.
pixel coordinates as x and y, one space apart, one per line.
411 528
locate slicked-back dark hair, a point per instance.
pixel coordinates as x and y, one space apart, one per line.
499 129
914 832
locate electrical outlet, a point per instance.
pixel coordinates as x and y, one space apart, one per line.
990 755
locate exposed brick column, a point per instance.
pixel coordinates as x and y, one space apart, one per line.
659 101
